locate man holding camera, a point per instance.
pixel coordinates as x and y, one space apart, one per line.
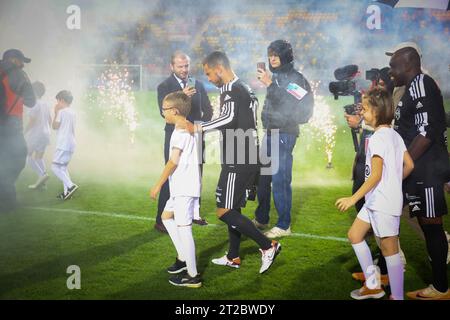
201 111
288 102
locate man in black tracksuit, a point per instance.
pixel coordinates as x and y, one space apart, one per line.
287 104
239 157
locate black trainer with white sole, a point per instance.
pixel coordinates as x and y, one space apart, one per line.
177 267
70 191
185 280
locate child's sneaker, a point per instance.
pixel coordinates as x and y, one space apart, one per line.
359 276
177 267
429 293
70 191
185 280
42 180
366 293
269 255
224 261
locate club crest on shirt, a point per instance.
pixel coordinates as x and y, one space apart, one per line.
367 171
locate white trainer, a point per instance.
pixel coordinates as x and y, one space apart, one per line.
260 226
43 179
276 232
268 256
224 261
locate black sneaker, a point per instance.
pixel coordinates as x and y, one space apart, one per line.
177 267
185 280
70 192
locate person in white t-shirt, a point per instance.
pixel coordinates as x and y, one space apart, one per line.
37 135
387 164
64 122
183 172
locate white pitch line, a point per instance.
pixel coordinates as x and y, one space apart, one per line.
133 217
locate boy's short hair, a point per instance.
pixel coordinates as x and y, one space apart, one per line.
38 88
179 101
217 58
381 100
65 95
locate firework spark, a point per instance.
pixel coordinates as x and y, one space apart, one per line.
116 98
321 125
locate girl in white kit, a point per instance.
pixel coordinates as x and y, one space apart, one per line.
387 164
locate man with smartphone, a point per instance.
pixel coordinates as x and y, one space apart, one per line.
288 103
201 110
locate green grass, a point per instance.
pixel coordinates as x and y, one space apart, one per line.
124 258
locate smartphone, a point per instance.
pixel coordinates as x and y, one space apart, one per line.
190 82
261 65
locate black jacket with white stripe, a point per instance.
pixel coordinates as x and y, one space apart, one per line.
237 124
421 111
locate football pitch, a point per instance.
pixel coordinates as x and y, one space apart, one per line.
106 229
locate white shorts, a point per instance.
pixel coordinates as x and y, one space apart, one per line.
62 157
383 225
182 208
37 144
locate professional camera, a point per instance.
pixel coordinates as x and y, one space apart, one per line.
346 86
373 74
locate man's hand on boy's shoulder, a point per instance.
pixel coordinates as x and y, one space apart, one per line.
184 124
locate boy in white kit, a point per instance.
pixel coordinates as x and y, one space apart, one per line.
64 122
183 172
387 164
37 135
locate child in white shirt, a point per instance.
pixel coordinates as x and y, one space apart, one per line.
183 172
37 135
64 122
387 164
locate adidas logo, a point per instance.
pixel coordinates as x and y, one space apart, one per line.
227 97
419 105
415 208
217 199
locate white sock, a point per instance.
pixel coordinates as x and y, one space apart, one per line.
187 240
35 166
395 271
59 172
197 213
364 256
172 230
68 179
41 165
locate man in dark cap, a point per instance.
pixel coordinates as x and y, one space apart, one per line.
288 103
15 92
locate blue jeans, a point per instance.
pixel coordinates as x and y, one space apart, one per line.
280 180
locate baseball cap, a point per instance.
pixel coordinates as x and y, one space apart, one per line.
15 53
405 45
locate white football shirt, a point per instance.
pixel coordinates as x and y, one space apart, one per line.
65 139
185 180
386 197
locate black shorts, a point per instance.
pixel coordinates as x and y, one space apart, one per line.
233 188
425 196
